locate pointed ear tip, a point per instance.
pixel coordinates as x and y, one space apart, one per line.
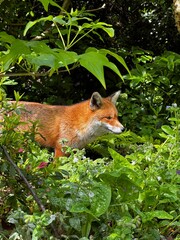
95 93
118 92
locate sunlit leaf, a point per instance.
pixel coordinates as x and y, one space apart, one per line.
160 214
167 129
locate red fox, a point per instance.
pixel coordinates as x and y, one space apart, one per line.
79 124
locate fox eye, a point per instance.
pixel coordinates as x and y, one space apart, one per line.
109 117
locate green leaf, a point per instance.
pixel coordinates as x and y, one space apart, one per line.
17 49
117 57
59 19
160 214
40 47
51 58
46 3
167 129
99 198
94 63
108 29
170 63
43 60
163 135
30 24
4 37
119 160
66 57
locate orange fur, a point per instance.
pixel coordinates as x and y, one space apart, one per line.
79 124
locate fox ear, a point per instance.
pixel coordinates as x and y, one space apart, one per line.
114 97
95 101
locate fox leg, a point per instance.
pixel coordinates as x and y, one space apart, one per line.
58 152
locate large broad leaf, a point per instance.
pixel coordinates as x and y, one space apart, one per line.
101 200
40 47
4 37
17 49
51 57
66 57
95 61
43 55
99 197
42 60
119 160
118 58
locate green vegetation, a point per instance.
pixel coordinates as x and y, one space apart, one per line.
123 186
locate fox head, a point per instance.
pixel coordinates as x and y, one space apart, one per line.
105 114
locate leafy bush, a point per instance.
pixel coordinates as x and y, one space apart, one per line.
120 197
67 29
151 88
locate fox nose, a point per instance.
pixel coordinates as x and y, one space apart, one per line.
122 129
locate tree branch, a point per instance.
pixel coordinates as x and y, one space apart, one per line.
65 6
36 74
176 4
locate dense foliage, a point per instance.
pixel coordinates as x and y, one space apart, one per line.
120 187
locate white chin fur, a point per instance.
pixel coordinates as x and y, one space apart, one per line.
114 129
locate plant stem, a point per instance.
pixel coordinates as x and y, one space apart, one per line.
74 42
60 34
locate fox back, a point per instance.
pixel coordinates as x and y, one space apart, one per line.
79 124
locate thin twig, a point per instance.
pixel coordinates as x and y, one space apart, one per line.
34 74
97 9
38 201
41 206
